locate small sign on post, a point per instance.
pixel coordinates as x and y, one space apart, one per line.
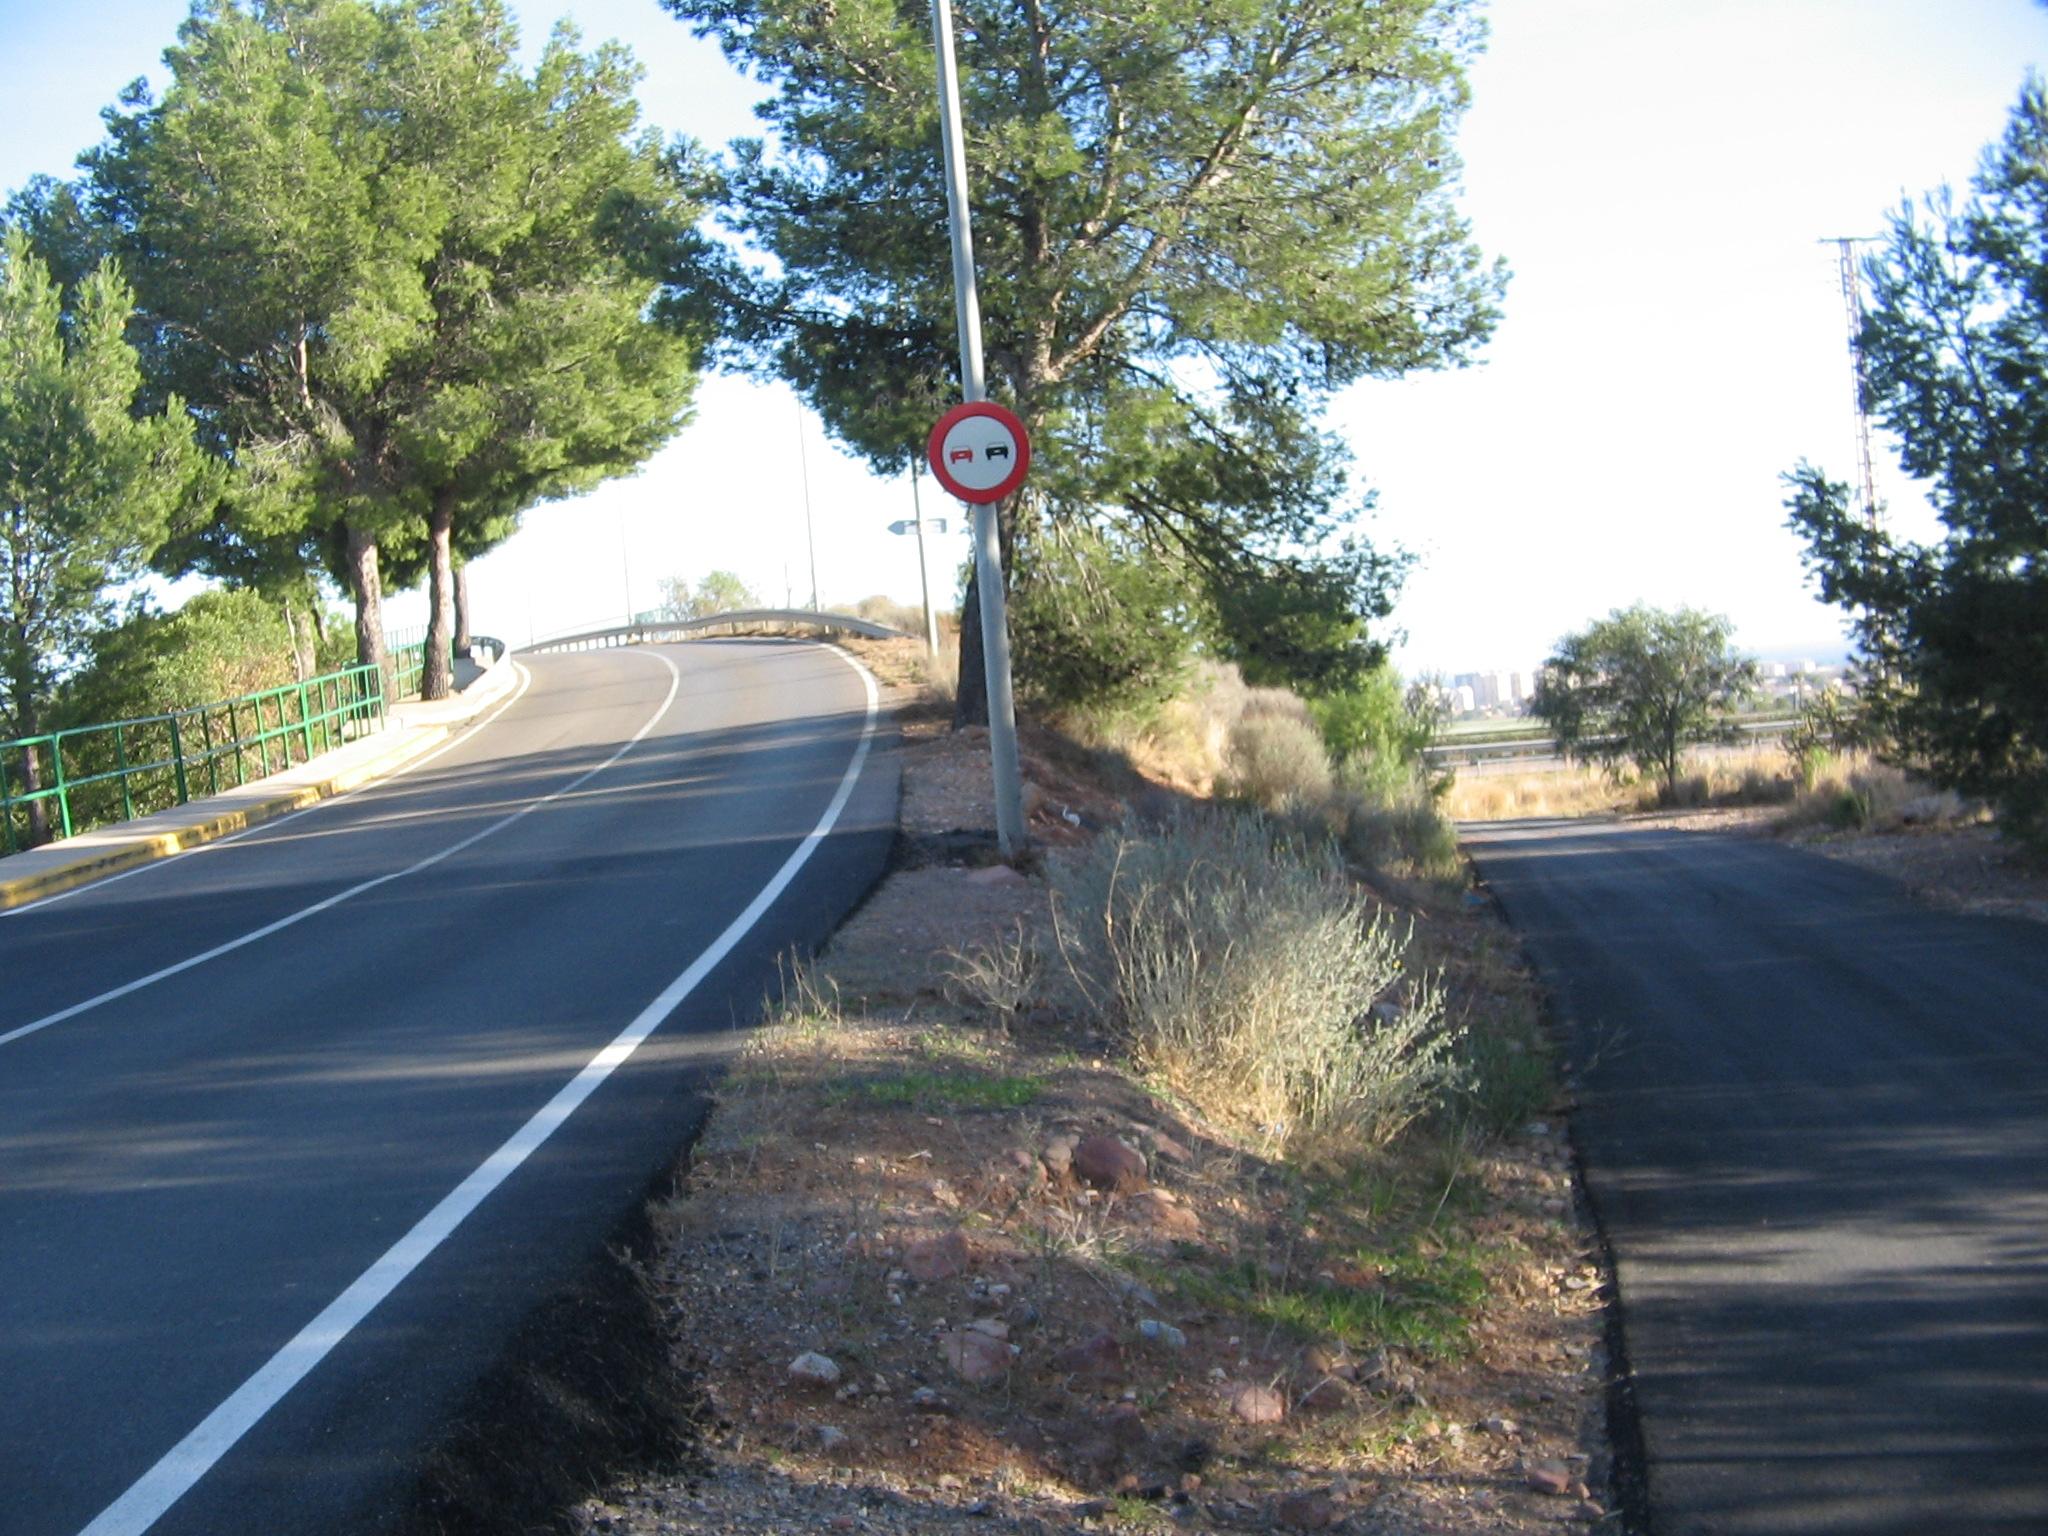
980 451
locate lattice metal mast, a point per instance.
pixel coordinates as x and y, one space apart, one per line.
1852 302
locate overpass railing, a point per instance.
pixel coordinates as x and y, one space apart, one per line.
737 622
78 779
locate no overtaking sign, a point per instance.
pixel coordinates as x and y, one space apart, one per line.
979 451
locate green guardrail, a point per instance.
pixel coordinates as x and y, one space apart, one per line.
408 652
99 774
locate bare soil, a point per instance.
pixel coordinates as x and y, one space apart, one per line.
893 1196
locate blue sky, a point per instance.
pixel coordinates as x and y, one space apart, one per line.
1657 173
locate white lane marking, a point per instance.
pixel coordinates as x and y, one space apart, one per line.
192 1457
675 680
525 681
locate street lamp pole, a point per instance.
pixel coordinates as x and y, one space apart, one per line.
810 533
924 569
988 561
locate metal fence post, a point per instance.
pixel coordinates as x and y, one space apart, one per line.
121 762
178 764
63 794
6 804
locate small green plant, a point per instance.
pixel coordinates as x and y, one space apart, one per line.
920 1088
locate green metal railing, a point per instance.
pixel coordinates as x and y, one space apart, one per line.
408 652
98 774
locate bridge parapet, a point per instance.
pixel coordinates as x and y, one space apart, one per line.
737 622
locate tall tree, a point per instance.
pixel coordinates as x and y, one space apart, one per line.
1955 632
87 490
396 276
1194 220
1641 685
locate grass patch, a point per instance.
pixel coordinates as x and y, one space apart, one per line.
934 1088
1425 1300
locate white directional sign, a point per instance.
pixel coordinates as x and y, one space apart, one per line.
980 451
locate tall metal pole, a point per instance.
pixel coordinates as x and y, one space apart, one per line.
988 561
810 533
924 569
626 565
1852 302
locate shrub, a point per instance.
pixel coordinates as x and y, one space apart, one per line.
1276 761
1406 834
880 609
1096 625
1253 977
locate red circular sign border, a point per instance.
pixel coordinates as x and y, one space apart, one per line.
961 412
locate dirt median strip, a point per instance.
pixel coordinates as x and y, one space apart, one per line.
943 1258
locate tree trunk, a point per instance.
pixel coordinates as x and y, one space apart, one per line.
305 655
970 696
437 676
462 640
27 722
367 588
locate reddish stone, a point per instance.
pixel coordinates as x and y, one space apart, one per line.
1551 1478
1308 1511
1109 1165
1099 1356
975 1356
937 1258
1256 1404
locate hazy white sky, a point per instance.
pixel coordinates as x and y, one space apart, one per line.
1656 172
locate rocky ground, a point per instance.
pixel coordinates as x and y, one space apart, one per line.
940 1261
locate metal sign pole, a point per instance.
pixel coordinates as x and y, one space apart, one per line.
988 562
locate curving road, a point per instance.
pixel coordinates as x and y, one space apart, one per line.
295 1129
1814 1122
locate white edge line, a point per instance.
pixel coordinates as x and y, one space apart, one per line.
136 1510
292 919
456 740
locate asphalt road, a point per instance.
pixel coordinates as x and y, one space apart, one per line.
1814 1122
266 1217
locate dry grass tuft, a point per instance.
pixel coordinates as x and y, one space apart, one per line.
1277 761
1252 977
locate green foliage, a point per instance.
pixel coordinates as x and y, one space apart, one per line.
718 592
1642 684
1097 623
87 489
1956 632
440 279
220 645
1828 723
1378 731
1194 220
955 1090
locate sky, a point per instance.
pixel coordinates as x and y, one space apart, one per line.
1658 174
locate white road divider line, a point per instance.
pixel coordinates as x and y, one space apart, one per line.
191 1458
525 682
291 919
